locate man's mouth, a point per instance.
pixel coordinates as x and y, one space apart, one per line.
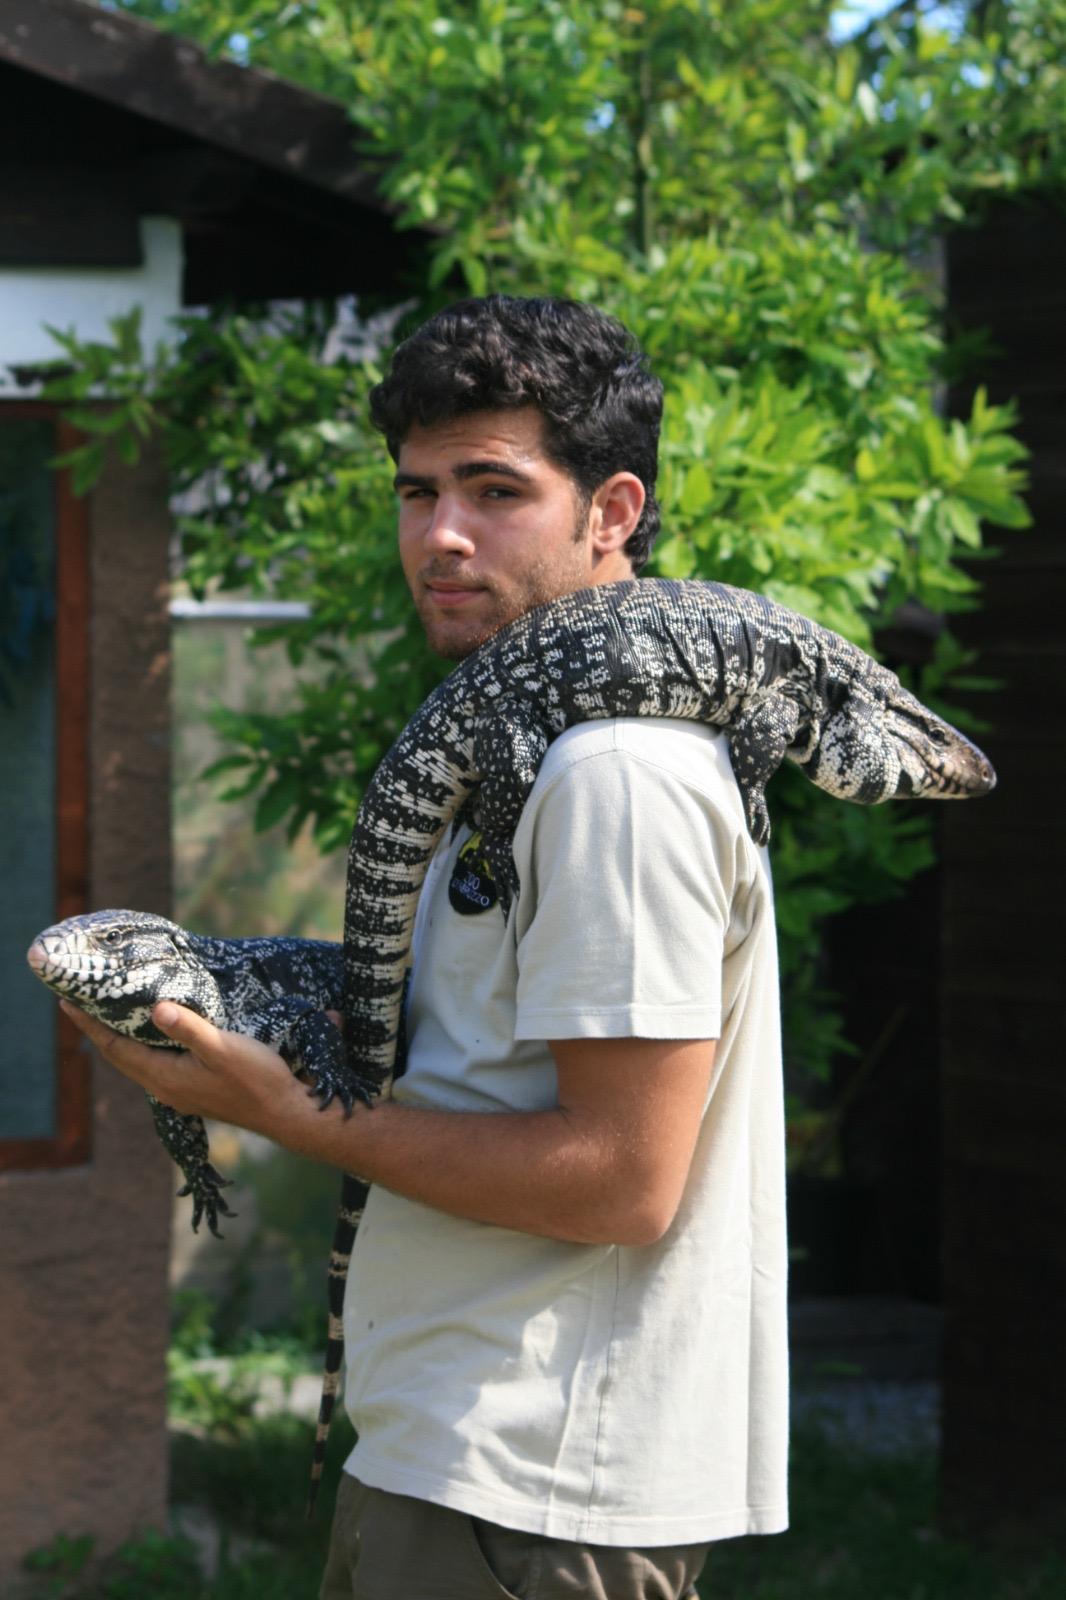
450 595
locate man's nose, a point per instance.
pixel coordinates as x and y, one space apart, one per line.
447 529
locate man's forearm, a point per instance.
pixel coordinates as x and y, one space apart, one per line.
607 1164
539 1172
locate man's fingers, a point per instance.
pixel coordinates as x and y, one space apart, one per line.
137 1061
220 1054
103 1037
177 1022
187 1028
212 1074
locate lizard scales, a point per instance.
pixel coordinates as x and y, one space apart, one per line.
781 685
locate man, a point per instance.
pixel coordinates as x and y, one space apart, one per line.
565 1322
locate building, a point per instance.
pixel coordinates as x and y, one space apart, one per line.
134 172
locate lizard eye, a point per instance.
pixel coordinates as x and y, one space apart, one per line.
112 936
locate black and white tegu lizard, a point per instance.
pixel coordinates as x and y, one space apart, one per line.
119 964
779 684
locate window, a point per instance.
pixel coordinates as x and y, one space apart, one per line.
44 707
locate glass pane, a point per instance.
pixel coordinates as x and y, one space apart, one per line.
28 760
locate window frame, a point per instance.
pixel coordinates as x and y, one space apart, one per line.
71 1143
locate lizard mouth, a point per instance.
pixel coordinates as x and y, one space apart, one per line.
53 967
942 768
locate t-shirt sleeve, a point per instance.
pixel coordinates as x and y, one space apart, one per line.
626 872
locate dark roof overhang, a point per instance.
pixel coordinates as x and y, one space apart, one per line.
103 119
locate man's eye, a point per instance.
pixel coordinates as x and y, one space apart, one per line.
495 492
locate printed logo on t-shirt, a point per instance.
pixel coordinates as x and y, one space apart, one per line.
472 888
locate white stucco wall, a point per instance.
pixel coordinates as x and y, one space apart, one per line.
85 298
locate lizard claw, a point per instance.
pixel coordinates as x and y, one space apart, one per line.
206 1187
328 1089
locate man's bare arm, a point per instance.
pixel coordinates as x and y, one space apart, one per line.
606 1165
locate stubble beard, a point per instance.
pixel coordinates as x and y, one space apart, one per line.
455 639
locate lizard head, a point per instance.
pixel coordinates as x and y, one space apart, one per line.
937 762
116 965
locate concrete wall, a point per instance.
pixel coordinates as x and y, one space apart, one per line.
83 1250
85 298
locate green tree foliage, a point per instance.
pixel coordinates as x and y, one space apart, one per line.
752 199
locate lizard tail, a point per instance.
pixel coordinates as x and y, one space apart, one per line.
353 1199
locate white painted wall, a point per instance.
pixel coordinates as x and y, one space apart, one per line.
85 298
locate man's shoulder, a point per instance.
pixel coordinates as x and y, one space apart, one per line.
691 752
663 787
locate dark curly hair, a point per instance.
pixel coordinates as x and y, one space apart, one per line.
581 369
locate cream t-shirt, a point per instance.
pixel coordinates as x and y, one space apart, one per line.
602 1393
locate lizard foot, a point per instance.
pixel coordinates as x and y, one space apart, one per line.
322 1062
345 1091
206 1187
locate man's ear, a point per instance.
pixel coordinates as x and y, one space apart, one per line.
615 512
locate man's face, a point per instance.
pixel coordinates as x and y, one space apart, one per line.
488 525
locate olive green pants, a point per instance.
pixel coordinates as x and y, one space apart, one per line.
392 1547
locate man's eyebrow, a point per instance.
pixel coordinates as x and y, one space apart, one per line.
497 469
464 471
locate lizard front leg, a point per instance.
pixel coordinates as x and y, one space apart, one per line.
758 743
312 1046
185 1139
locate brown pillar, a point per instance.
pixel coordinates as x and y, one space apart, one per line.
83 1249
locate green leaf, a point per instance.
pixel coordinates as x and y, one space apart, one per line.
475 274
846 72
867 103
126 331
696 494
128 449
86 466
964 522
276 801
224 764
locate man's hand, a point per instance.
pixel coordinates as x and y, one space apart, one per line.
607 1164
225 1076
